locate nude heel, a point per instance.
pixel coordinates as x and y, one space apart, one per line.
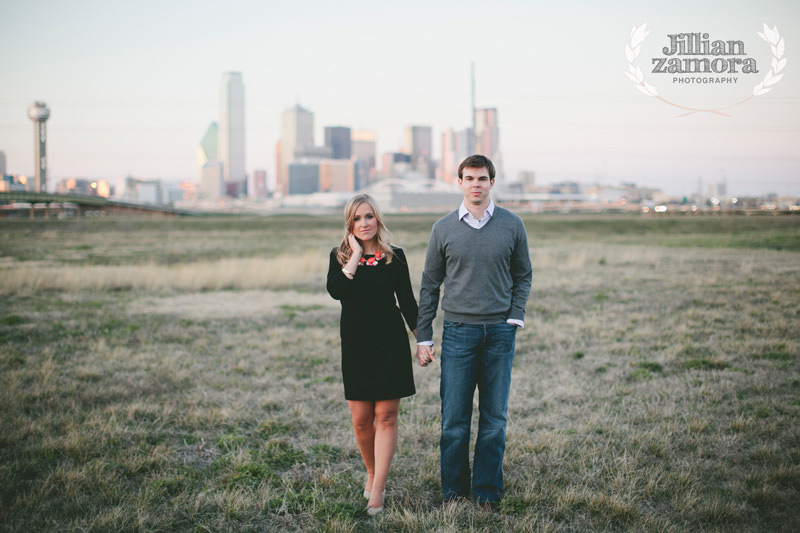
372 511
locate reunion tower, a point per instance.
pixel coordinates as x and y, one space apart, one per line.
39 113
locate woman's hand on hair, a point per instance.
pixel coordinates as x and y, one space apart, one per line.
355 245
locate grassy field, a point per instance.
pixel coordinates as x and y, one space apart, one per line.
184 375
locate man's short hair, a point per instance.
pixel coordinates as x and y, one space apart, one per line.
476 161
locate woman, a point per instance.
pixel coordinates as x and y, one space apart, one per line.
365 274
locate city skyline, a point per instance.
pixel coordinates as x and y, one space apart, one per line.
555 75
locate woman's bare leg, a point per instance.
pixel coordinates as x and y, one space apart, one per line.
385 444
363 414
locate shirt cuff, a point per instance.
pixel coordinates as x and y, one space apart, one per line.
519 323
425 343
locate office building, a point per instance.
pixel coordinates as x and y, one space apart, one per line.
207 153
189 189
418 144
207 149
314 152
14 183
279 171
172 192
2 164
84 187
455 148
337 175
212 180
718 190
260 183
144 191
303 176
487 136
230 146
363 146
151 193
297 136
391 162
338 139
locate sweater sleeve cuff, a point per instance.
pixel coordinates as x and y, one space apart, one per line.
424 335
516 314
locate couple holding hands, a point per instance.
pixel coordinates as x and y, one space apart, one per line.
480 254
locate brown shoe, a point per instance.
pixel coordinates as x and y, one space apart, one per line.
489 507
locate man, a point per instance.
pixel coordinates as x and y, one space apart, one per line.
480 253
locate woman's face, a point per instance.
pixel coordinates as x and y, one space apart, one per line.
365 223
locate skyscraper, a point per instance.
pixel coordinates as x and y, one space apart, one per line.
210 169
279 170
337 175
39 113
303 177
455 148
395 164
212 183
2 164
297 136
260 183
364 146
338 138
207 149
487 135
230 146
418 144
363 143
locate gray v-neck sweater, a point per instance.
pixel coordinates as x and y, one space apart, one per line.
486 272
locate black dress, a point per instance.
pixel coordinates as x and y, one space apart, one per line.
376 359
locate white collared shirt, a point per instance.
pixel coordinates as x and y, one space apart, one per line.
466 216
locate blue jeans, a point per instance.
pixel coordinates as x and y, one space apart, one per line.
475 355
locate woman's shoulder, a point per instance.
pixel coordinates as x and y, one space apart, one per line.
399 254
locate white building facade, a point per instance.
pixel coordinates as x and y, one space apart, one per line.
230 145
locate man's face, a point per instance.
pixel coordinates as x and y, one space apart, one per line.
475 184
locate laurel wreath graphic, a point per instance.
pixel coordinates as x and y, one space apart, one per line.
635 74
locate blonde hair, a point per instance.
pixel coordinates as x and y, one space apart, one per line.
382 236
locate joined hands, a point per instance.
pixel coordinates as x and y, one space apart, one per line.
425 354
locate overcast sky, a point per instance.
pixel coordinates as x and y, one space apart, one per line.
132 87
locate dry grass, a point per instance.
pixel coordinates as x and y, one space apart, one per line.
241 273
654 388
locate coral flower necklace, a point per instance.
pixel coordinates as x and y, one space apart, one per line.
372 261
